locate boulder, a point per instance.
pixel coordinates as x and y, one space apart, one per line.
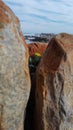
54 91
36 47
14 71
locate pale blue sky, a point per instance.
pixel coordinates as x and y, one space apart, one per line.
47 16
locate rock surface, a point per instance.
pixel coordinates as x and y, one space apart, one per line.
37 47
54 91
14 72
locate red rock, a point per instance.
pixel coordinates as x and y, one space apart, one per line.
54 86
37 47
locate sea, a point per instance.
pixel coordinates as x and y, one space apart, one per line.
28 41
31 37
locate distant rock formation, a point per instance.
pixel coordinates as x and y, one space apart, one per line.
36 47
54 91
14 72
43 37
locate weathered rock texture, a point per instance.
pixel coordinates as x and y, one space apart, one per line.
37 47
14 72
54 91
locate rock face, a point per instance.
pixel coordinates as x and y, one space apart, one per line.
54 91
14 72
37 47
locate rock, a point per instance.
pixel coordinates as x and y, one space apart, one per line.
54 91
14 72
37 47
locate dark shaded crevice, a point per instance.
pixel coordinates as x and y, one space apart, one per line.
62 111
29 122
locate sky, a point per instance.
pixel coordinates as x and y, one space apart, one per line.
43 16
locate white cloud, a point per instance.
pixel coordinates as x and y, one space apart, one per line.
44 15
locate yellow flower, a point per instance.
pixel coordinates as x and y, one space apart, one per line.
37 54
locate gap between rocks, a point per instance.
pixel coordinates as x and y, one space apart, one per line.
29 122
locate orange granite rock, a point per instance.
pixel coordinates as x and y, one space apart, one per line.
37 47
14 71
4 17
54 86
